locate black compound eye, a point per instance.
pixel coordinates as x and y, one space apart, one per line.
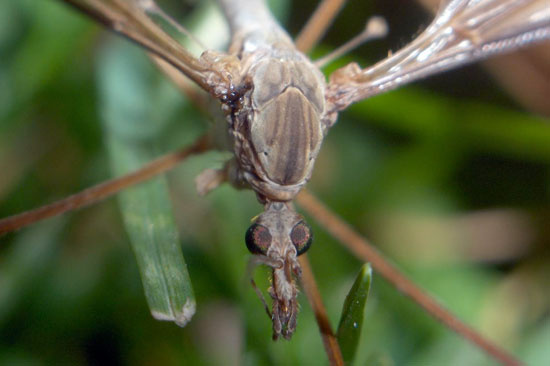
302 237
258 239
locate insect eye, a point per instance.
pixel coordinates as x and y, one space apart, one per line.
258 239
301 236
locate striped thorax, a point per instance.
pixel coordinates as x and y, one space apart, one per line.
278 129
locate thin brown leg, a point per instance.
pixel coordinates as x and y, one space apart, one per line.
318 23
327 334
363 250
102 190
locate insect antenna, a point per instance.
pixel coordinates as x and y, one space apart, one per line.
375 28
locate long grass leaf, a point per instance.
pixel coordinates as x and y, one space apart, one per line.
131 135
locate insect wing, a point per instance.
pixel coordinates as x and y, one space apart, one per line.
127 18
463 31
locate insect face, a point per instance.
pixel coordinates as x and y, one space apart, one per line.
278 236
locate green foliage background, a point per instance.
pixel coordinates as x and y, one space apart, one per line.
432 174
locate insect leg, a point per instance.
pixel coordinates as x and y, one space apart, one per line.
210 179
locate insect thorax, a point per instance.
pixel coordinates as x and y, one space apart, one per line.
278 128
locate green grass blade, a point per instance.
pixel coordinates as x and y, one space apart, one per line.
351 321
148 218
133 128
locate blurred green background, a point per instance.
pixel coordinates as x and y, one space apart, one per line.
449 177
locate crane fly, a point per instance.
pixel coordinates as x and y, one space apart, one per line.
279 107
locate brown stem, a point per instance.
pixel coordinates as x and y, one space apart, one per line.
366 252
327 334
318 24
103 190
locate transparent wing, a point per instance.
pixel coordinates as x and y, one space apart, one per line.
128 18
463 31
